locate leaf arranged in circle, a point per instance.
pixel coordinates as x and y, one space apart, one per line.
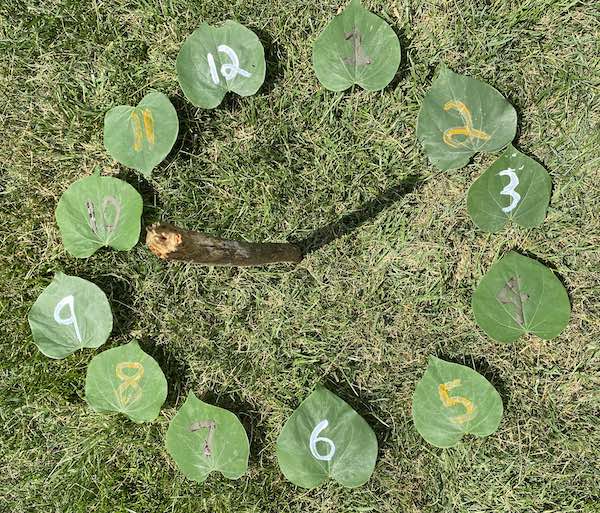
519 295
126 380
515 187
141 137
217 59
69 314
203 438
452 400
461 116
357 47
326 439
98 211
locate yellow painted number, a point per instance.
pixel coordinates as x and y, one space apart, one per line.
467 130
449 401
140 133
129 390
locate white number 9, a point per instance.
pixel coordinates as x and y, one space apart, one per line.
314 438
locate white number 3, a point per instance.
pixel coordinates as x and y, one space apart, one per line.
228 70
314 438
509 190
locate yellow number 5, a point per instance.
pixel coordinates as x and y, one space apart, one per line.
467 130
449 401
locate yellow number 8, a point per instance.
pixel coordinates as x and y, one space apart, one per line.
129 390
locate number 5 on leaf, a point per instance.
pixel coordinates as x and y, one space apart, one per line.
325 438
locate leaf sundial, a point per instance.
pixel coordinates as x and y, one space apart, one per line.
515 187
214 60
141 137
452 400
203 438
126 380
357 47
461 116
99 211
325 438
71 313
518 295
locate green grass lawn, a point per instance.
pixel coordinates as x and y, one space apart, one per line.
360 314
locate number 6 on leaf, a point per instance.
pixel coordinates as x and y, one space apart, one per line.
325 438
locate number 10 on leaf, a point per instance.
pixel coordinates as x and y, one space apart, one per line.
325 438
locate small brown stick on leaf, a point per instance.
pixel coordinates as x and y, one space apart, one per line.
172 243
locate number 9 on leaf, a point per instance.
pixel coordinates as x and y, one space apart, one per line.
325 438
452 400
203 438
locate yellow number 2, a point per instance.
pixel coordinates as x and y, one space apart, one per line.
449 401
129 390
467 130
148 130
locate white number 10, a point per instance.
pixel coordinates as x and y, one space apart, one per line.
314 438
228 70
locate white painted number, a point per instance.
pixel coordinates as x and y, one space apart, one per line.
509 190
228 70
67 321
314 438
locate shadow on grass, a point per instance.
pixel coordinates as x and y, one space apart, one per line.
350 222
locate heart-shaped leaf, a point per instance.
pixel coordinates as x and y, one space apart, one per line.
461 116
514 187
126 380
203 438
519 295
325 438
141 137
357 47
215 60
452 400
69 314
99 211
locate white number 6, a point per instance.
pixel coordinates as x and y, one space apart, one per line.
314 438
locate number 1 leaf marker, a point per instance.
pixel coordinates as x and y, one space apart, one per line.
325 438
126 380
515 187
461 116
357 47
69 314
519 295
99 211
215 60
203 438
141 137
452 400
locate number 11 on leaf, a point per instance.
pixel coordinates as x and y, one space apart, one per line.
325 438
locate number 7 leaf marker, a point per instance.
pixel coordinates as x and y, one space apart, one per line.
515 187
203 438
325 438
452 400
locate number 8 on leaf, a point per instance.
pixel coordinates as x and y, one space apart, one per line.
325 438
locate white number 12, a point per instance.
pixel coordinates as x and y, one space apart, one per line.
314 438
228 70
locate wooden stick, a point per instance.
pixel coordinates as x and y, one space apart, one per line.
171 243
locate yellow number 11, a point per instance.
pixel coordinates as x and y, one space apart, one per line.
148 122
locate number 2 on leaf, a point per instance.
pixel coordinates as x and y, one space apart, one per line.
211 425
467 130
314 438
449 401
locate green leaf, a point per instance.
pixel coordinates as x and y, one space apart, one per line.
461 116
519 295
99 211
357 47
141 137
69 314
126 380
325 438
514 187
215 60
203 438
452 400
